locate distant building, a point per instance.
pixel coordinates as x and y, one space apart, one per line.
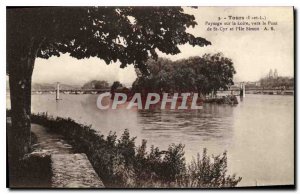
270 73
275 74
274 80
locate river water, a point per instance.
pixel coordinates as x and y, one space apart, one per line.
258 133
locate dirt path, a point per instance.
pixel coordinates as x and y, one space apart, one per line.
49 142
69 169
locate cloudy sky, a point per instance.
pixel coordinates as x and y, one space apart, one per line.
253 53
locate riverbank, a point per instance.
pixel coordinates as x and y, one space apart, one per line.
120 163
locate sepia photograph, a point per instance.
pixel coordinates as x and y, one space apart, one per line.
150 97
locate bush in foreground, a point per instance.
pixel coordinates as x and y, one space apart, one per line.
120 163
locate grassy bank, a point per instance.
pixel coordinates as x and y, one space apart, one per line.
120 163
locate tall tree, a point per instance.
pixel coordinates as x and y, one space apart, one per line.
130 35
218 70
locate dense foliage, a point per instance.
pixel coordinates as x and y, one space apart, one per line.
204 75
129 35
120 163
96 84
116 85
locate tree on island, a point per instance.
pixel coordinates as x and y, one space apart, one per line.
218 70
115 86
96 84
204 75
157 78
130 35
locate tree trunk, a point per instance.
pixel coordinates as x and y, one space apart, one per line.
20 89
20 73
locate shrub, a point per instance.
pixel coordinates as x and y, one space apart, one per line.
210 172
120 163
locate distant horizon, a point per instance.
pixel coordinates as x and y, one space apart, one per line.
130 84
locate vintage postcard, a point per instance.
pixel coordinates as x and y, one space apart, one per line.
150 97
